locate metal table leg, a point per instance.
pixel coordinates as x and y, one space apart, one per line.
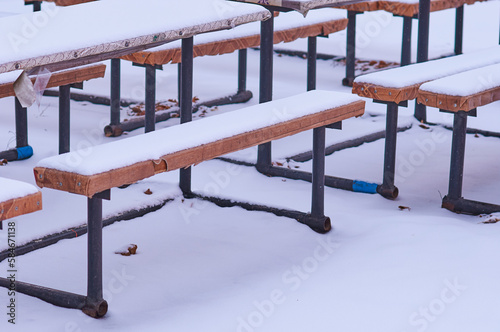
406 42
350 58
422 48
150 100
64 118
186 103
459 29
266 82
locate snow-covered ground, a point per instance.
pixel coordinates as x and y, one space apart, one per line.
203 268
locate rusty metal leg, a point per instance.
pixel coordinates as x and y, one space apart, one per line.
459 29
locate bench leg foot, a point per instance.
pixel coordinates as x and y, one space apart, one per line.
95 309
466 206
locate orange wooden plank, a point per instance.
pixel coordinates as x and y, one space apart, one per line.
458 103
162 57
90 185
66 77
19 206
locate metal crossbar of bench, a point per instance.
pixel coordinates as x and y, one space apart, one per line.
18 198
461 94
65 80
140 157
395 87
288 27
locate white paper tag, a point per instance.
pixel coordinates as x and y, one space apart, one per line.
24 90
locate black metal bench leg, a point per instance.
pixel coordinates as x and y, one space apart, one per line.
457 155
317 220
388 189
242 70
266 82
22 150
454 200
350 58
406 42
459 29
95 305
115 92
64 118
311 62
150 99
186 103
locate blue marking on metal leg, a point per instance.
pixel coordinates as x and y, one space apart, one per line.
24 152
364 187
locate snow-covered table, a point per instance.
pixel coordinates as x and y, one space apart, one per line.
18 198
461 94
97 33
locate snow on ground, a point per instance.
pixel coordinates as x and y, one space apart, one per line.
204 268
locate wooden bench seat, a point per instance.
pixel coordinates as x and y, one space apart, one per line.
287 28
395 87
245 128
461 94
131 159
18 198
64 79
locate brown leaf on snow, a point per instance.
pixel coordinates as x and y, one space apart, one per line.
3 162
401 207
148 192
130 249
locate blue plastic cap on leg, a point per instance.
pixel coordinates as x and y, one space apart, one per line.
24 152
364 187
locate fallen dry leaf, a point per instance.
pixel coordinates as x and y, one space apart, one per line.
130 249
148 192
401 207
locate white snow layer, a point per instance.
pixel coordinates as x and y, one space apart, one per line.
466 83
129 151
10 189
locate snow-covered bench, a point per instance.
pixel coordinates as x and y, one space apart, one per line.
64 79
408 10
461 94
135 158
287 28
395 87
18 198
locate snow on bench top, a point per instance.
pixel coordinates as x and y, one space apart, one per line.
466 83
423 72
148 146
11 189
67 33
284 21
